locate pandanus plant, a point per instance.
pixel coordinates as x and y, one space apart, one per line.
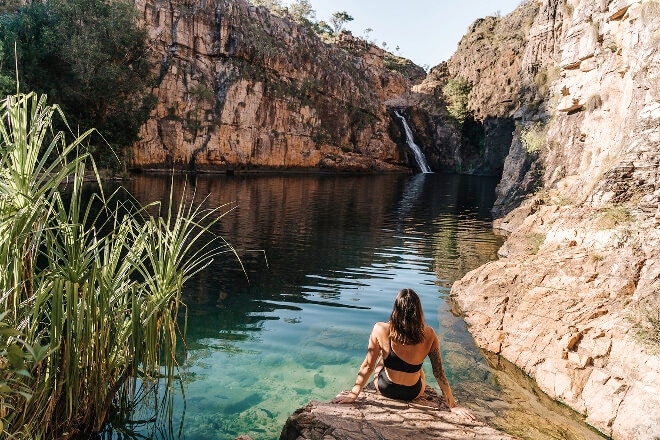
90 289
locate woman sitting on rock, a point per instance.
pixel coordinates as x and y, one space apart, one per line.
402 344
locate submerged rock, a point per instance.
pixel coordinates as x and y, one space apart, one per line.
376 417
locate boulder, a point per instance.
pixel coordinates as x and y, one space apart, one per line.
373 416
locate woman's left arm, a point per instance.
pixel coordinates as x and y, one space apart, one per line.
441 377
365 371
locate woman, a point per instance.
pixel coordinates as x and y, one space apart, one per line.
403 343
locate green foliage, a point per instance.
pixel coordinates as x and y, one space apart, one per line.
89 56
301 12
612 217
275 6
395 63
308 90
323 29
456 91
338 20
321 136
7 83
645 317
93 287
201 92
533 138
534 242
9 6
17 359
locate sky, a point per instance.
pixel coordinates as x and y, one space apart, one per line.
426 31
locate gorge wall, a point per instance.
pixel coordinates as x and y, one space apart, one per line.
564 104
239 88
574 299
489 59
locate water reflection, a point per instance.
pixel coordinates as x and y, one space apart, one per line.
322 258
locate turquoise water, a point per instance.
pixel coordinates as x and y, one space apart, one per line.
322 258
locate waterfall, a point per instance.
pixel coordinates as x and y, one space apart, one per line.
419 156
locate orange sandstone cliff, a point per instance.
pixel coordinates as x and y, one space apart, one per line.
241 89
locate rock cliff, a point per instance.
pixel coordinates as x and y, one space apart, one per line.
489 60
562 100
574 298
239 88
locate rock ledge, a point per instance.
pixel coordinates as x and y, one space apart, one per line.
376 417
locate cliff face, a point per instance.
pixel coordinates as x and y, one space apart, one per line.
489 59
240 88
574 298
564 102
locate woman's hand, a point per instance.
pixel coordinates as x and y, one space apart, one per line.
345 397
464 412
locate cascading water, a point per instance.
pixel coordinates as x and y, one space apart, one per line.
419 156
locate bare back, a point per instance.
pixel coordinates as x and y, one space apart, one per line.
411 354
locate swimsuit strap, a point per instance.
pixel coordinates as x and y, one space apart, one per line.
394 362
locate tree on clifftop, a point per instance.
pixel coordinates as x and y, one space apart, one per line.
88 56
302 12
338 20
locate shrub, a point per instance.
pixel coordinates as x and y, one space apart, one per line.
593 102
321 136
544 78
275 6
457 90
646 323
91 57
93 287
533 138
609 218
534 242
201 92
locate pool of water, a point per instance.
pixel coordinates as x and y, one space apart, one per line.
321 259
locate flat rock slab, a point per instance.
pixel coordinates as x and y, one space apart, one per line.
373 416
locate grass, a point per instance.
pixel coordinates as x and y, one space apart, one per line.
594 102
534 242
90 289
612 217
646 324
565 201
544 78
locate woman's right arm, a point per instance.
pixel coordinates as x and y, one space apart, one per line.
367 367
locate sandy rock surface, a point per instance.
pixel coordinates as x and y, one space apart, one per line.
376 417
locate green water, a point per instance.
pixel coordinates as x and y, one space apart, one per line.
322 260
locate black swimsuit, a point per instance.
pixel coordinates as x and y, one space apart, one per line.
394 390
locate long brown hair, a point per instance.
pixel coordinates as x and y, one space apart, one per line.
407 319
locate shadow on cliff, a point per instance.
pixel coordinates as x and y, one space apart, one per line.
476 148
